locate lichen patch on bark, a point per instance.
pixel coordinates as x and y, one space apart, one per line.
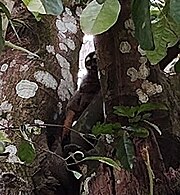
26 89
46 79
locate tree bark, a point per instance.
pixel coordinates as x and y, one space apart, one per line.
38 89
118 52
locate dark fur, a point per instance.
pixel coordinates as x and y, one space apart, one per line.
89 87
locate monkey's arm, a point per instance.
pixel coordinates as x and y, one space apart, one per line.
92 114
73 107
84 107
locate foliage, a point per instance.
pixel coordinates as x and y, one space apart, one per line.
137 127
175 10
142 23
135 111
101 159
125 151
53 7
26 152
166 34
2 147
138 114
97 18
105 128
105 160
156 28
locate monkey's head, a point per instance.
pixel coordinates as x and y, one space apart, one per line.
91 61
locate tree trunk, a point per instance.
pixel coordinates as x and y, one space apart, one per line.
118 53
38 88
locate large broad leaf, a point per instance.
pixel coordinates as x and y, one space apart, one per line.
175 10
98 18
26 152
125 151
105 160
53 7
166 34
141 18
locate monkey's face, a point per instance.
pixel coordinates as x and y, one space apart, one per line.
91 61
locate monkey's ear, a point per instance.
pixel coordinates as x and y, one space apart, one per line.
90 61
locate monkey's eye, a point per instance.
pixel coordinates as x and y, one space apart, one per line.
88 65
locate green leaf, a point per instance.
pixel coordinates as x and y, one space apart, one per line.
96 19
2 42
105 160
53 7
76 174
177 66
140 132
125 151
5 10
175 10
2 147
147 107
135 119
105 128
26 152
125 110
166 34
146 116
4 137
141 18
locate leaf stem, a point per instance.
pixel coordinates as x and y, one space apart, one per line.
11 45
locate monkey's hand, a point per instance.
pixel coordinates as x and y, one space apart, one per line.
68 123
